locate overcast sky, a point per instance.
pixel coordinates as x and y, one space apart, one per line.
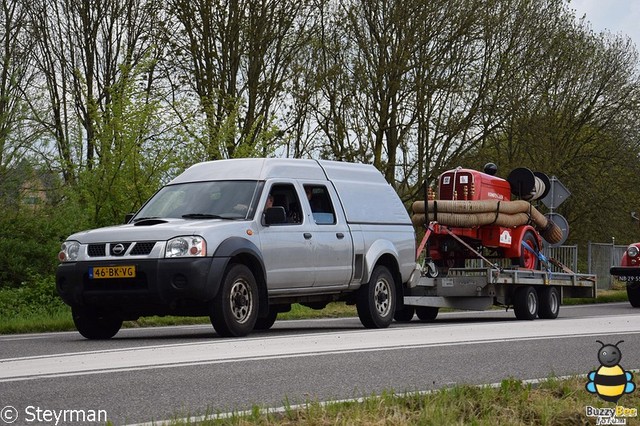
617 16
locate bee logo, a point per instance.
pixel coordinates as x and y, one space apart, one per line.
610 381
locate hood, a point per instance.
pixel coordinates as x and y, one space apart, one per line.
151 230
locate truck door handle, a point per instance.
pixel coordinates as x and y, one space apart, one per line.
307 235
340 235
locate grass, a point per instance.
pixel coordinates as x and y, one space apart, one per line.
550 402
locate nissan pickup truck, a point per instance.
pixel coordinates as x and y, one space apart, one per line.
242 240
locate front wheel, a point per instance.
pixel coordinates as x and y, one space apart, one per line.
376 301
427 313
95 326
405 314
234 310
633 293
525 303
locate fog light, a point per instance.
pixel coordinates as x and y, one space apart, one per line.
179 281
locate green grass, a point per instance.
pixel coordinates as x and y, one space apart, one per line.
553 402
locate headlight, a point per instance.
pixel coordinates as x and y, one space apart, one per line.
633 251
186 247
69 251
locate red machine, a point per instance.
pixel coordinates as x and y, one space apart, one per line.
473 216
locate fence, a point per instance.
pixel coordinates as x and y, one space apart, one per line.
601 256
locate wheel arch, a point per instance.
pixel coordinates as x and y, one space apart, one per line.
390 261
243 251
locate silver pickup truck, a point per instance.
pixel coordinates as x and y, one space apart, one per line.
240 241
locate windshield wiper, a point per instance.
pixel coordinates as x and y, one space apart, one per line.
203 216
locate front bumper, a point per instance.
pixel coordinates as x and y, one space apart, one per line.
626 273
160 287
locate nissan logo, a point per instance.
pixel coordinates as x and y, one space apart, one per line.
118 249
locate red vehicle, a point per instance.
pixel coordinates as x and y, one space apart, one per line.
629 271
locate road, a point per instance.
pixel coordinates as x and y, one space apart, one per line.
163 373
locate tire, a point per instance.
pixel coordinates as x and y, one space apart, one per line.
405 314
95 326
527 259
525 303
427 313
265 323
376 301
633 293
234 310
549 299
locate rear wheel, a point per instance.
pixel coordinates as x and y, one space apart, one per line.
549 299
525 303
528 258
376 301
234 310
94 325
633 293
427 313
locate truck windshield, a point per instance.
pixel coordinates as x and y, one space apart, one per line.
202 200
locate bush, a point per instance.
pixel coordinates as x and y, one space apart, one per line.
35 296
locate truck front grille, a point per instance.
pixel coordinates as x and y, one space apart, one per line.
119 249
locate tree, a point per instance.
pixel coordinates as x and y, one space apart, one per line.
16 78
236 57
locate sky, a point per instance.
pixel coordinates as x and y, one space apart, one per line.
617 16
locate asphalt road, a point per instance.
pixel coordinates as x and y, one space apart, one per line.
171 372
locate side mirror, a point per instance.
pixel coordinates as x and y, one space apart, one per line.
275 215
128 217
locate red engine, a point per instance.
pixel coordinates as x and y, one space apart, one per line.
449 246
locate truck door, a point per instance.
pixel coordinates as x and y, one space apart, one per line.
287 248
333 248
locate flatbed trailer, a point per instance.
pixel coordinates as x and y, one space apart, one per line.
531 293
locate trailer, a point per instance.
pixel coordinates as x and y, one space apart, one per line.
531 293
471 219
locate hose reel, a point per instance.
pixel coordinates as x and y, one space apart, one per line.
528 185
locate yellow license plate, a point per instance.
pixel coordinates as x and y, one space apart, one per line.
124 271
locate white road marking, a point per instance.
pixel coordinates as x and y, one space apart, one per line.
236 350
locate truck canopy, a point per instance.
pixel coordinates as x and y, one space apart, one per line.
365 194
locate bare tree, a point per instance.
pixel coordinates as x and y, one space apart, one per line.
16 78
237 57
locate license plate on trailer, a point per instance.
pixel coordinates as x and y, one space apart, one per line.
106 272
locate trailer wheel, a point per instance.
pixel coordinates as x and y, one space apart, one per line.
549 303
525 303
95 326
405 314
376 301
234 310
267 322
427 313
527 259
633 293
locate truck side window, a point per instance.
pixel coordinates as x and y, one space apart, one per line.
284 195
320 203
